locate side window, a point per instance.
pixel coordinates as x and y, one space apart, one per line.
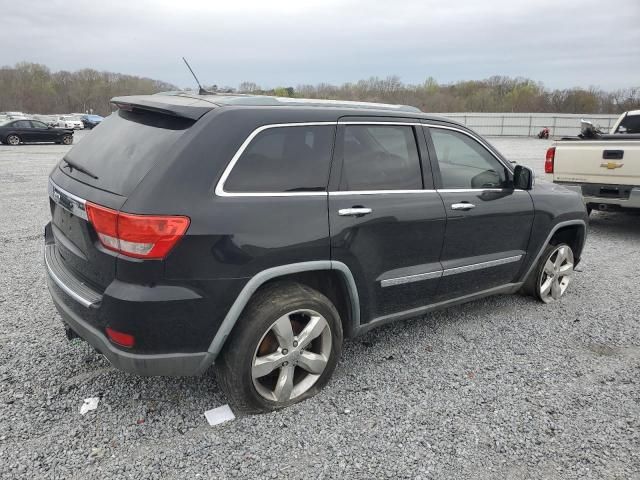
630 124
380 157
36 124
284 159
22 124
465 163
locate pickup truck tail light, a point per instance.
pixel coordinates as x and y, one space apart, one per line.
137 236
548 162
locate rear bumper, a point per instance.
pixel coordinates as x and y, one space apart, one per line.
169 364
65 291
632 202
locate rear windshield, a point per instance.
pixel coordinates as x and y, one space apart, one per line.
123 150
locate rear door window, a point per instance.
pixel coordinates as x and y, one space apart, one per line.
380 157
284 159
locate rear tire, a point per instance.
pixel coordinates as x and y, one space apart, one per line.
13 139
283 349
552 274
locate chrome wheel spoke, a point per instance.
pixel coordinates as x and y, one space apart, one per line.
266 364
560 257
312 362
284 385
556 290
566 269
549 268
545 288
283 331
311 331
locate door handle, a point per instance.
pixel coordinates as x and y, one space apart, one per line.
354 211
613 154
462 206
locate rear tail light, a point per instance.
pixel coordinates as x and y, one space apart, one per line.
120 338
548 162
138 236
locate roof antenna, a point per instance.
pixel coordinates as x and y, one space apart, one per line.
201 91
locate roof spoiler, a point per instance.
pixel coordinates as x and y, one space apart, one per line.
186 107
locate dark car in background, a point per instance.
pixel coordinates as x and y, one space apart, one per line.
91 121
256 232
15 132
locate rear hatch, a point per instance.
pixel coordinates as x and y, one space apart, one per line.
104 168
608 162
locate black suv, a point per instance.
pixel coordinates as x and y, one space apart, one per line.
257 232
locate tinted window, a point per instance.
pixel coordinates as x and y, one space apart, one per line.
380 157
125 148
464 163
284 159
631 124
38 124
22 124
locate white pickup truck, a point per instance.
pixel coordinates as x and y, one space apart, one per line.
604 168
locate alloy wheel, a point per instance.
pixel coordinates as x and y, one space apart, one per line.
291 355
556 274
13 140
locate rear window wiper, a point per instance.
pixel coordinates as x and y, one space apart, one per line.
72 165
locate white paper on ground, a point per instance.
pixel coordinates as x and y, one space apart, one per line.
219 415
89 404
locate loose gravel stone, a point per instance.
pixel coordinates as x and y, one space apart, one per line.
504 387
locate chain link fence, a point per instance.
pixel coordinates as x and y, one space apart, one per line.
529 124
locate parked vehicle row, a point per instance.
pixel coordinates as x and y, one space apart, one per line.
255 233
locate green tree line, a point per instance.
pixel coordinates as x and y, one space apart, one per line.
33 88
495 94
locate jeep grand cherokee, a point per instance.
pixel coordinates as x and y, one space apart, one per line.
256 232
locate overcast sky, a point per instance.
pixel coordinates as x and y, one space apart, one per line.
562 43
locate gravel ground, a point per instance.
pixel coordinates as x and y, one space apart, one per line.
499 388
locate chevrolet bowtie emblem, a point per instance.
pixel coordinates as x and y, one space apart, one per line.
611 165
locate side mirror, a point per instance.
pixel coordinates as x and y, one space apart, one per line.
523 178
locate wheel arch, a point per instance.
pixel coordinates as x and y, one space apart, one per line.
333 279
573 232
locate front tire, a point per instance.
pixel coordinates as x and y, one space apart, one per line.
283 349
67 139
13 139
553 273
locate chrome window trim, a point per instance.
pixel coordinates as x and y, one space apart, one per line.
471 190
334 193
56 193
221 192
389 282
